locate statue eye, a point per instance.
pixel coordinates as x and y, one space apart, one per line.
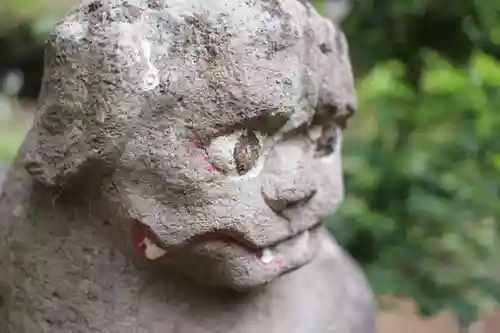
246 152
237 153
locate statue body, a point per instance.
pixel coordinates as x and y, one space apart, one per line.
176 179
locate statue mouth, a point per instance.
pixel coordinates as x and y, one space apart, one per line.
152 247
238 239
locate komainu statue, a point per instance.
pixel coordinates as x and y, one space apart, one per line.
183 159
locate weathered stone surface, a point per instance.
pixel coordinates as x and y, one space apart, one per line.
183 159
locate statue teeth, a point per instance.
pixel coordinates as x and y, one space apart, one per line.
267 256
152 251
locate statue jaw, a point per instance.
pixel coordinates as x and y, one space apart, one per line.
229 237
227 259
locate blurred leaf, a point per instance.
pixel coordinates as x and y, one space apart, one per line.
487 68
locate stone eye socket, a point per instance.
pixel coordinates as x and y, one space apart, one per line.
236 153
93 7
325 138
246 152
327 142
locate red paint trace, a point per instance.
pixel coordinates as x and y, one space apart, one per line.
196 144
210 166
277 262
139 234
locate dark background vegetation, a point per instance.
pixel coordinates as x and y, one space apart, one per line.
421 158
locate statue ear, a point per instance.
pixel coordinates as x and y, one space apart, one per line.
63 125
60 150
86 105
52 169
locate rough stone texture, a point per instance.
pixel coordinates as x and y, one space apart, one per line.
182 161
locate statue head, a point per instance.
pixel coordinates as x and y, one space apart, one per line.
215 126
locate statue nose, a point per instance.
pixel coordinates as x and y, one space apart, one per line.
282 192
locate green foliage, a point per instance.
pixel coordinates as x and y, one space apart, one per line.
40 15
404 27
422 180
422 156
10 140
13 126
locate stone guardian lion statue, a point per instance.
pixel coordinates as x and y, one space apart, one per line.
184 157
